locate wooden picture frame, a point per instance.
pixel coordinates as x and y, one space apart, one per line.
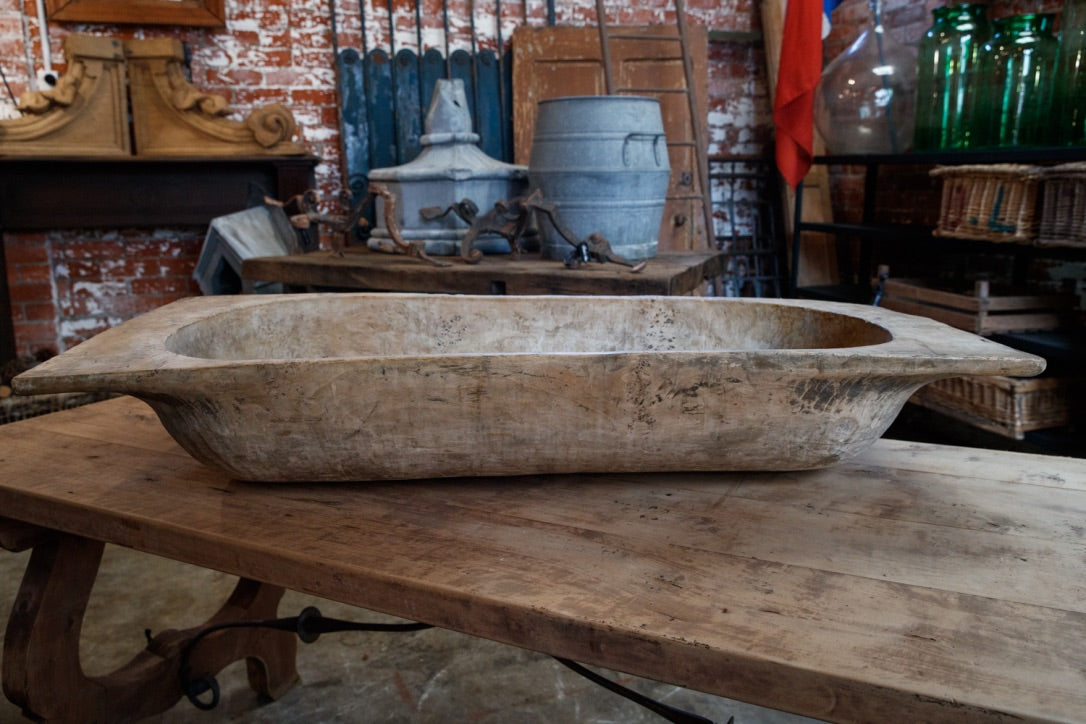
203 13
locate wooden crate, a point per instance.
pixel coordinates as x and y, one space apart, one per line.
982 311
1009 406
990 202
1063 208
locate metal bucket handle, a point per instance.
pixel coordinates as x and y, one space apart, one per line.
656 138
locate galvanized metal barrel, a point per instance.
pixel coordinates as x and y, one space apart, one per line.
602 161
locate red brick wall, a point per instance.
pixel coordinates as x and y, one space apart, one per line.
908 19
68 284
916 199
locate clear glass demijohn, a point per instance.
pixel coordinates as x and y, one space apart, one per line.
865 100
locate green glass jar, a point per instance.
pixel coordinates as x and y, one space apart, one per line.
1071 75
948 75
1019 65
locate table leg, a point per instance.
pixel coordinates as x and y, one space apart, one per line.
41 669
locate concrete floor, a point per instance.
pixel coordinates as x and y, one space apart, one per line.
424 676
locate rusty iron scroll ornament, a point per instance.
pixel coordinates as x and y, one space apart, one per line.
510 219
342 225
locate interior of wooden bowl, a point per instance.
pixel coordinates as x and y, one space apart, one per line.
344 326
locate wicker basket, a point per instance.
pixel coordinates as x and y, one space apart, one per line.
1009 406
1063 209
996 202
21 407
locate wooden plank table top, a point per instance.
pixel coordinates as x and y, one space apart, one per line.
361 269
918 582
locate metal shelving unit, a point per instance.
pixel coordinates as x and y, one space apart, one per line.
869 231
1065 350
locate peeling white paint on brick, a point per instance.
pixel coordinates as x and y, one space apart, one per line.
99 290
247 24
169 234
77 330
214 57
54 292
318 133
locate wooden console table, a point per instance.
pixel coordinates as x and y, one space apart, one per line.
917 583
359 268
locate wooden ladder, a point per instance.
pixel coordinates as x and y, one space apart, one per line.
697 120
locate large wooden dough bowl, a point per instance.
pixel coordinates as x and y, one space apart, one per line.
386 386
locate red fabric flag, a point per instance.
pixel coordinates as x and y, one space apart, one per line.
797 75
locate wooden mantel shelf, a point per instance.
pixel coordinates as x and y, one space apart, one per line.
60 193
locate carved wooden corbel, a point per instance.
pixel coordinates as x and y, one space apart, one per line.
63 94
171 117
86 114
